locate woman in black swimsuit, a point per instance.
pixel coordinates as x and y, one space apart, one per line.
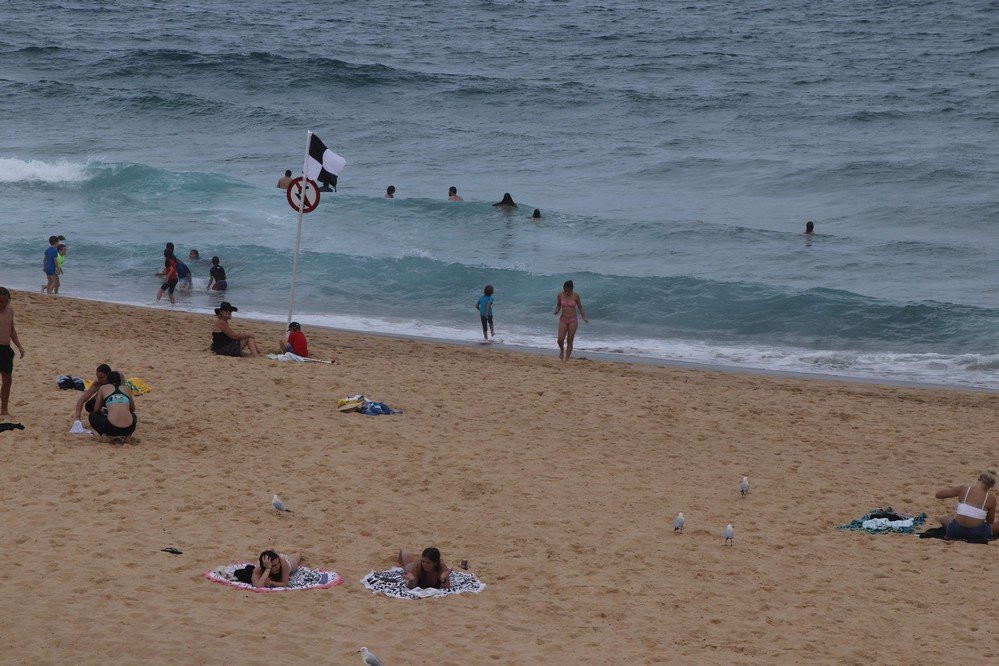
227 342
428 572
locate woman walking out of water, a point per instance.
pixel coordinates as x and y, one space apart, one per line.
567 302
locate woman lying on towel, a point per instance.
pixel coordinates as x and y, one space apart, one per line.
976 509
428 572
274 570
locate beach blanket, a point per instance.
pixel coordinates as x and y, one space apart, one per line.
941 533
136 386
391 584
885 520
288 356
303 579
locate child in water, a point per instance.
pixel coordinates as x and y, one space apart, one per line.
60 258
485 307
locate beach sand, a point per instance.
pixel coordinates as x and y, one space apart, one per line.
559 486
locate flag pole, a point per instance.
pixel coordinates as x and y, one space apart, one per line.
298 231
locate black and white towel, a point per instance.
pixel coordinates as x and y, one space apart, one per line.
391 584
303 579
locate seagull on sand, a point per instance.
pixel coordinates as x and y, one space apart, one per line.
278 504
744 486
368 658
729 535
678 523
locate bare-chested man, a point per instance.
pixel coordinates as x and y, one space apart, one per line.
7 335
285 180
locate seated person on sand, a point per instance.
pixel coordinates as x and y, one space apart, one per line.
428 572
88 400
295 341
227 342
116 416
976 509
274 569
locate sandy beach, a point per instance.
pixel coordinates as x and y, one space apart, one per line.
559 486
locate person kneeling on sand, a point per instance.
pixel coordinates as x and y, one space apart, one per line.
274 570
227 342
428 572
88 400
116 417
976 509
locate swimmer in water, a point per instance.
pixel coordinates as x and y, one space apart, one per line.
506 202
452 194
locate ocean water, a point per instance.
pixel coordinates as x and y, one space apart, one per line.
675 150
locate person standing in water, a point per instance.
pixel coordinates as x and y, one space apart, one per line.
50 267
285 180
567 302
390 192
485 307
452 194
216 276
809 228
169 276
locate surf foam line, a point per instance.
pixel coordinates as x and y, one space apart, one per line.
14 170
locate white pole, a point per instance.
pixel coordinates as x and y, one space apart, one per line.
298 232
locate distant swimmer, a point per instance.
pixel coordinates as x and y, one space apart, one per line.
216 276
390 192
537 214
506 202
452 194
285 180
809 228
195 258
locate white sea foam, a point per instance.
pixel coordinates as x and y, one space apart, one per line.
13 170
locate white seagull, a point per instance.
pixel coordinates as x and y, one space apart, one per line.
678 523
278 504
744 486
729 535
368 658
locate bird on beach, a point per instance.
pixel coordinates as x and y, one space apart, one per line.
678 523
368 658
744 486
278 504
729 535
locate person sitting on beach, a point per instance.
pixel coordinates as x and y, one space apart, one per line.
285 180
506 202
428 572
452 194
295 341
216 276
390 192
227 342
116 417
273 569
88 400
976 509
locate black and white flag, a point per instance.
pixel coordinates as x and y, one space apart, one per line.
321 159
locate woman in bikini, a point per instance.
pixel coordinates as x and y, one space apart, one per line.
274 569
428 572
114 414
567 302
976 509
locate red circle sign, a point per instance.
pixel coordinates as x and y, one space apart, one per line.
294 193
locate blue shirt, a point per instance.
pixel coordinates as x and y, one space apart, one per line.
485 306
50 259
182 270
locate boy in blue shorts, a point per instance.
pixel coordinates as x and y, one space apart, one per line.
49 266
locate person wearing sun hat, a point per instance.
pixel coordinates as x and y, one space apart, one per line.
295 341
227 342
